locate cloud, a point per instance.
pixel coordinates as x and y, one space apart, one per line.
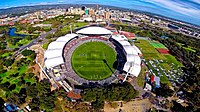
196 1
179 6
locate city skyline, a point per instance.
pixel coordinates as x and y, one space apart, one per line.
187 10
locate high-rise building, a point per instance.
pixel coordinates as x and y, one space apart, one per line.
97 7
86 12
107 15
91 12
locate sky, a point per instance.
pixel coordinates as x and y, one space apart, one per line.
185 10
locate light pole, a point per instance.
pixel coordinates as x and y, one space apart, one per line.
70 28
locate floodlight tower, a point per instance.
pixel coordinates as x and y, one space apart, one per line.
70 28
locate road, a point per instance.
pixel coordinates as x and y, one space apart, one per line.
35 41
41 37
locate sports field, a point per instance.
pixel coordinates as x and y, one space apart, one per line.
93 60
150 52
157 45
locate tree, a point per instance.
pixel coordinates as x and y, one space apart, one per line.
3 45
8 62
49 36
113 92
1 103
98 104
12 87
58 34
164 91
32 91
34 105
27 52
16 99
5 86
42 96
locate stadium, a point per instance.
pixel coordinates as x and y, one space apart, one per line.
91 55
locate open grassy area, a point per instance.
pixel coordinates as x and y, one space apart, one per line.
7 54
45 46
157 45
74 25
140 80
93 60
24 41
149 51
21 42
172 59
14 76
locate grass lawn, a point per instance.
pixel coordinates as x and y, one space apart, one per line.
80 24
93 60
12 78
149 51
45 46
172 59
164 79
12 46
140 80
74 25
24 41
166 66
7 54
157 45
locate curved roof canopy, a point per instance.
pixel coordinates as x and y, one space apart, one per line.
119 37
56 45
130 50
54 54
94 30
67 37
53 62
123 42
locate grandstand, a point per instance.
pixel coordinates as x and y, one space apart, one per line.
59 52
133 61
54 53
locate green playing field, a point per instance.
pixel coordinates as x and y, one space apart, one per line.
93 60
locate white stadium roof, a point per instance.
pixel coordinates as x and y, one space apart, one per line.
53 62
54 54
66 38
71 35
127 66
137 49
130 58
135 70
119 37
130 50
132 66
123 42
56 45
137 60
93 30
133 58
